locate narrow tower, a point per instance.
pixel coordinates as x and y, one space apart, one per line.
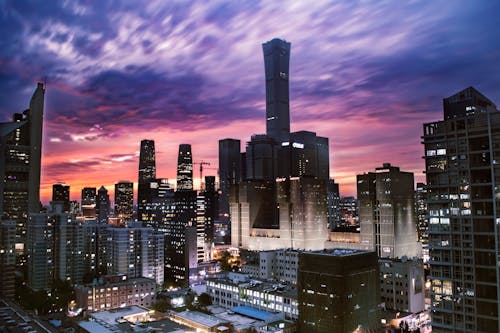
277 63
185 168
147 172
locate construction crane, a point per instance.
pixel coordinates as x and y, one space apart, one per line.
201 164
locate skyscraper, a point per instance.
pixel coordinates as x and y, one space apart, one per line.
89 199
7 258
184 168
20 151
422 219
229 171
60 194
147 172
277 62
124 200
102 205
386 209
461 163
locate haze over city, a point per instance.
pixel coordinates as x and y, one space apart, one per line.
365 76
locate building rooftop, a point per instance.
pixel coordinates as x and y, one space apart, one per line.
112 317
338 252
200 318
271 287
253 312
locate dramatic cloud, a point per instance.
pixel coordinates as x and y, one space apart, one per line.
367 75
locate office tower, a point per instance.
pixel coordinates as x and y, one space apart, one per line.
159 211
89 199
181 239
147 173
185 168
303 212
422 219
338 291
349 211
211 208
7 258
461 164
200 228
306 154
102 205
277 62
95 237
20 151
261 158
387 217
136 251
60 194
124 200
286 213
333 204
230 163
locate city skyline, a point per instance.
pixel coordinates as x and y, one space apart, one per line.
113 84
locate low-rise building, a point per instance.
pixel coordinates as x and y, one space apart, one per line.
115 292
236 289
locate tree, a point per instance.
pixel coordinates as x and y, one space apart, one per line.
204 299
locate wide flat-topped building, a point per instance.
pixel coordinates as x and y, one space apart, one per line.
338 291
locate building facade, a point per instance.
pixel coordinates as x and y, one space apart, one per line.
124 200
338 291
461 161
21 151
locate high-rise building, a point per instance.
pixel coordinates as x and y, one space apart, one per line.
124 200
338 291
102 205
136 251
333 203
261 158
185 168
211 208
386 209
277 63
349 211
230 164
159 211
60 195
180 239
55 248
20 151
461 164
7 258
147 173
287 213
422 219
89 199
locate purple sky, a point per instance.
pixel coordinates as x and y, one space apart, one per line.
365 74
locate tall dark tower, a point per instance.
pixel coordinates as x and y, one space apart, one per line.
20 156
102 205
185 168
60 194
229 171
277 63
124 200
147 172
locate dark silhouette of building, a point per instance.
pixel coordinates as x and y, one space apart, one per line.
60 194
230 163
461 167
147 173
277 63
102 205
422 218
338 291
88 202
185 168
20 156
124 200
